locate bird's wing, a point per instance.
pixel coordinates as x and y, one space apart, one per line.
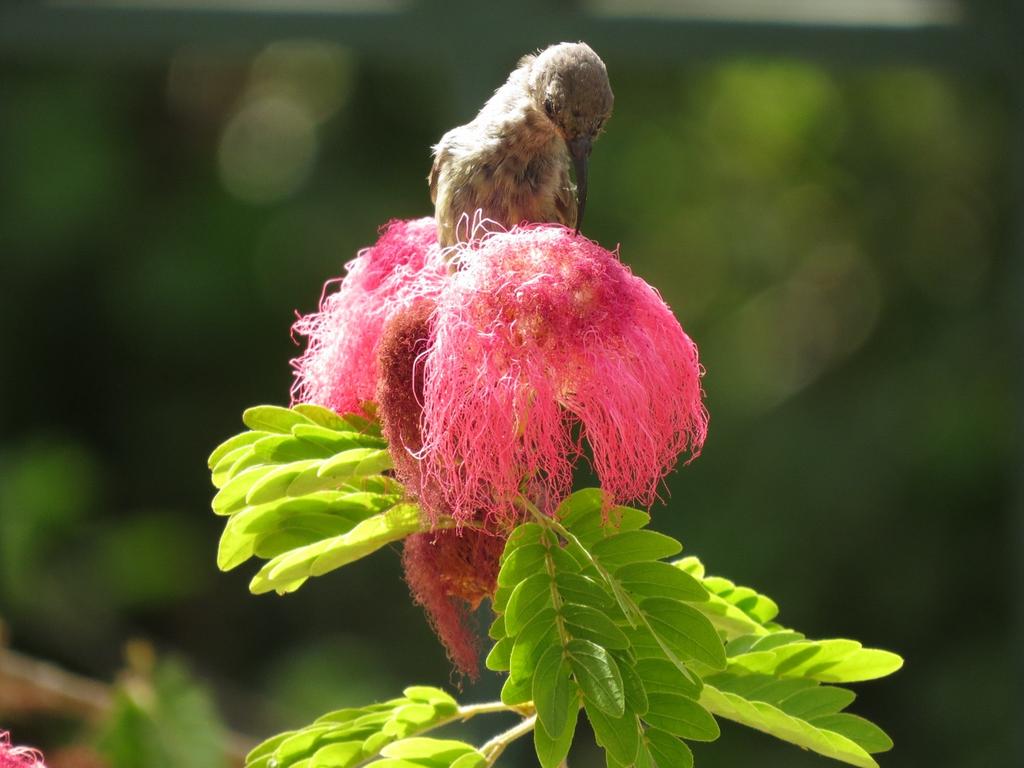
565 199
441 157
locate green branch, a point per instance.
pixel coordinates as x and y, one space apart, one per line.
493 749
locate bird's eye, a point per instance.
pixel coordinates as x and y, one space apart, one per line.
549 107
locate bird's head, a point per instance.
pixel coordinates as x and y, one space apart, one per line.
569 85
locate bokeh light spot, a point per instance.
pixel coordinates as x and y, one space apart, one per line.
267 149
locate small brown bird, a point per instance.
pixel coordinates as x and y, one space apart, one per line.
512 161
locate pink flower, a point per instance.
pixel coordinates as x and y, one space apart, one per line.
18 757
400 394
449 573
492 381
339 368
544 341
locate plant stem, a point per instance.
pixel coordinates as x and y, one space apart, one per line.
472 710
492 749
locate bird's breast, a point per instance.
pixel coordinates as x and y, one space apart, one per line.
510 179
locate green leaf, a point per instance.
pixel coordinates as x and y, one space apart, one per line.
633 547
686 631
860 665
500 657
232 445
552 750
658 579
417 713
515 692
246 459
339 716
367 426
275 482
776 639
281 449
531 643
470 760
497 629
681 716
333 441
729 619
620 736
578 506
760 608
527 533
598 676
747 612
643 759
355 462
742 643
865 733
324 417
273 418
435 751
324 556
318 516
297 533
632 685
586 623
441 701
829 661
667 750
266 747
300 744
231 497
582 589
530 597
230 465
817 702
644 645
585 514
662 676
552 690
343 754
352 736
521 563
500 598
692 565
773 690
773 721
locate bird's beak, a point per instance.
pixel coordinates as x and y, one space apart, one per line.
579 150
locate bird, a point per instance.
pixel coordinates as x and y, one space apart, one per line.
511 162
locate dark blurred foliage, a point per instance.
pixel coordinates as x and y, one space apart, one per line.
837 242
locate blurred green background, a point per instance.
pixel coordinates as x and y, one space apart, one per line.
839 230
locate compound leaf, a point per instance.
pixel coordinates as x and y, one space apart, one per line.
772 720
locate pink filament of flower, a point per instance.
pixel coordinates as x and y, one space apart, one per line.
449 573
18 757
544 340
339 368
